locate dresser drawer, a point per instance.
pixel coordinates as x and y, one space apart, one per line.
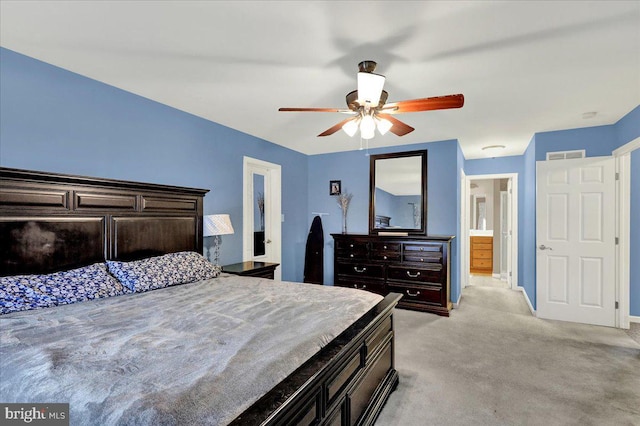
386 246
372 285
361 270
385 256
386 251
482 254
433 274
352 245
352 254
425 294
482 246
481 263
414 257
422 253
423 247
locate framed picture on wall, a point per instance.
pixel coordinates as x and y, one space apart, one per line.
335 187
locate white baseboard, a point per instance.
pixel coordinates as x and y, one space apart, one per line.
526 298
496 276
456 304
634 319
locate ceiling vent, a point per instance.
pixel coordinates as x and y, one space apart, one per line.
566 155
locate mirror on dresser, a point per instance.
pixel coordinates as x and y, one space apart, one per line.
398 193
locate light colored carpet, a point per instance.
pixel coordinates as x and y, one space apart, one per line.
492 363
634 331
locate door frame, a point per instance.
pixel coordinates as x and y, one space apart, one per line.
272 207
622 157
464 224
464 233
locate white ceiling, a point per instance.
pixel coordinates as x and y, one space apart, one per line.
524 67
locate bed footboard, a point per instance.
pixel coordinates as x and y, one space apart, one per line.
346 383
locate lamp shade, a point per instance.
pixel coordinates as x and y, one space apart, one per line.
351 127
367 127
217 224
384 125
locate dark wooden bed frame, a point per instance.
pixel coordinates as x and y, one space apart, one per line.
51 222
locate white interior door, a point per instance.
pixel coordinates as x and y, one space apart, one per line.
511 220
262 224
575 237
505 249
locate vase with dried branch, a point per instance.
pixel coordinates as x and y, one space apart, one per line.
260 201
343 202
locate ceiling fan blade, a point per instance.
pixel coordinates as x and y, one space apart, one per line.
314 110
399 128
425 104
337 127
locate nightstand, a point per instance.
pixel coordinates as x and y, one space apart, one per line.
252 269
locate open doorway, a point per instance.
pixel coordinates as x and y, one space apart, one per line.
262 225
489 230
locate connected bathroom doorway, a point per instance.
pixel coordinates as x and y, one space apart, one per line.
489 228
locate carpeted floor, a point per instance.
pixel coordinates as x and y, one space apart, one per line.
634 332
492 363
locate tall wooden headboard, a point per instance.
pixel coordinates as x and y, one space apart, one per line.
51 222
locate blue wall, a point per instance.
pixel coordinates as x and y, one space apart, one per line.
528 225
628 127
57 121
597 141
352 168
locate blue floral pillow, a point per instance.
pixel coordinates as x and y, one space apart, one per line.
15 296
163 271
22 292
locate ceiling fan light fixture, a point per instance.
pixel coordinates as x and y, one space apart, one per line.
383 125
350 127
367 127
370 88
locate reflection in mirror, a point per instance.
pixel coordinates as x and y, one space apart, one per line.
258 214
399 189
480 208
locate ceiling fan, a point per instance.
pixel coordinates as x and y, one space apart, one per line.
369 109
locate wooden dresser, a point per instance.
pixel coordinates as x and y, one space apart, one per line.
415 266
481 255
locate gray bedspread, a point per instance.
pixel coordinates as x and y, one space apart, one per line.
197 353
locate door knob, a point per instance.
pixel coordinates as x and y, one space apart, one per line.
543 247
268 241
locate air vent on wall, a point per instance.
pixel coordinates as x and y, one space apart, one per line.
566 155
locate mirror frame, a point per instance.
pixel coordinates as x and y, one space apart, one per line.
372 190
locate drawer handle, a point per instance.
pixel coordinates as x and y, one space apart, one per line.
351 255
421 249
360 288
385 247
355 268
417 293
385 257
413 276
421 260
351 245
